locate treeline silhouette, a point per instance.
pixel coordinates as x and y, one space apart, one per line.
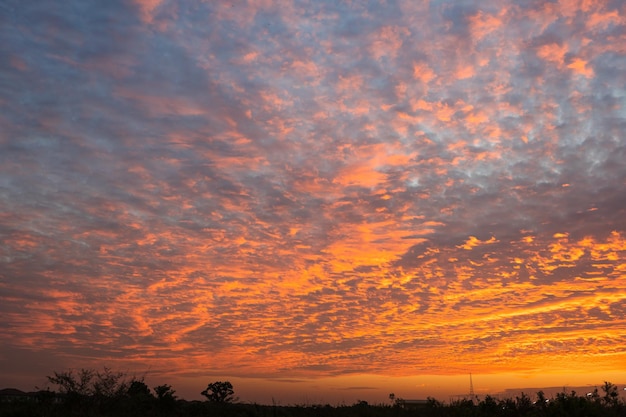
91 393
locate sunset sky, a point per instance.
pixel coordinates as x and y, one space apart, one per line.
320 201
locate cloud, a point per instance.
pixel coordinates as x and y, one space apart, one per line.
313 191
148 9
473 242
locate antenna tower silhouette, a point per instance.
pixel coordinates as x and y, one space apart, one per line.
471 394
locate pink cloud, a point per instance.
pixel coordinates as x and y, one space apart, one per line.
553 53
388 41
158 106
148 9
423 72
465 71
483 24
602 20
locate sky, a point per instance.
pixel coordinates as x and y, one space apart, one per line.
319 201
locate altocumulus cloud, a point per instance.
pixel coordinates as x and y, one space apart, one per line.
313 189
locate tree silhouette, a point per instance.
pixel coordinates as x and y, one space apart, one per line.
611 396
109 384
138 388
87 392
165 393
219 392
74 385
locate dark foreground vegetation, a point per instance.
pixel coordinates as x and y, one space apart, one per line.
89 393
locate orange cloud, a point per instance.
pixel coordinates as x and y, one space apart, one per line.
553 53
311 192
602 20
466 71
473 241
580 66
423 73
366 167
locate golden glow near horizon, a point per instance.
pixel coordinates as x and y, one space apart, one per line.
315 197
